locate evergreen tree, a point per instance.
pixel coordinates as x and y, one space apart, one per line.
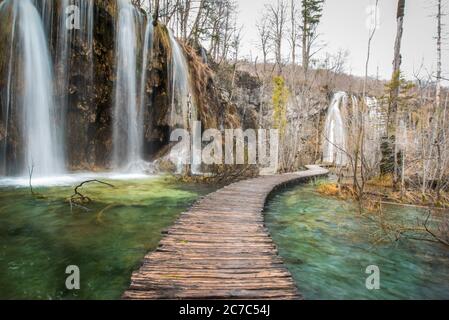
312 11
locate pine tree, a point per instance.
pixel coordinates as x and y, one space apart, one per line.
312 11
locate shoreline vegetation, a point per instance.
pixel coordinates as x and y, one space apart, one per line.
379 193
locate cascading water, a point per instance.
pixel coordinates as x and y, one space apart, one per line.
373 131
183 111
46 9
129 89
183 108
75 23
29 104
147 54
334 144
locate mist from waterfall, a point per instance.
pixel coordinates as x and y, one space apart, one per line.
29 92
335 138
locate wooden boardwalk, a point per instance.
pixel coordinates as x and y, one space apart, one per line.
220 249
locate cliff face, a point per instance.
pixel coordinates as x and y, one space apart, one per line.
86 87
90 94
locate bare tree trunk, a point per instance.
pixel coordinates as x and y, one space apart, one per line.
389 154
194 31
278 17
305 54
368 56
156 13
438 84
439 122
293 35
397 63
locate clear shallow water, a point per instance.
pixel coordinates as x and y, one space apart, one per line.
327 248
40 236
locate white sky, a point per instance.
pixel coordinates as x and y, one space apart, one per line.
344 26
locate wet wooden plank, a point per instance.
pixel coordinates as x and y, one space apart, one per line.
221 249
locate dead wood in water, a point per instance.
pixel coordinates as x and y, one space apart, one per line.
78 199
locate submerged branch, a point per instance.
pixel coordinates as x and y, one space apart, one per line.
436 237
77 199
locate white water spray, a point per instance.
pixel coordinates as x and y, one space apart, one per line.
334 144
30 92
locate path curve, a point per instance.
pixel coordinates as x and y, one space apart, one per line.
221 249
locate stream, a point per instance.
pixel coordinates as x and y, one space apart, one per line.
327 246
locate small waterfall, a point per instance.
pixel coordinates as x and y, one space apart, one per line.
373 131
29 93
87 22
129 89
67 35
183 109
46 9
146 56
335 139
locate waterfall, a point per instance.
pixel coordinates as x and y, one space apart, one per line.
69 19
129 102
335 139
147 53
29 94
46 9
373 131
183 109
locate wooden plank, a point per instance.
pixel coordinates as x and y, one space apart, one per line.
220 249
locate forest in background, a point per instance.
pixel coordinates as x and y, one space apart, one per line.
409 162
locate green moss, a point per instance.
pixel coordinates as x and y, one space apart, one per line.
40 235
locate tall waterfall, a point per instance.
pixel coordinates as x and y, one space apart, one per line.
183 109
129 100
334 144
29 94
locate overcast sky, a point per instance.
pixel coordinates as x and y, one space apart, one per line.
344 26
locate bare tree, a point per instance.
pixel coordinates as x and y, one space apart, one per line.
389 150
277 18
370 39
438 84
264 38
294 30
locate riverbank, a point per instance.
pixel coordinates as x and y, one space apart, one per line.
327 246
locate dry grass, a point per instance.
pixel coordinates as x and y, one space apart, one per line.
328 189
385 181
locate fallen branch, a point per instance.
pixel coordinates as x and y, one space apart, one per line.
437 238
78 199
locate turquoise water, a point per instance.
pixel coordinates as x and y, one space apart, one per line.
40 236
327 247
